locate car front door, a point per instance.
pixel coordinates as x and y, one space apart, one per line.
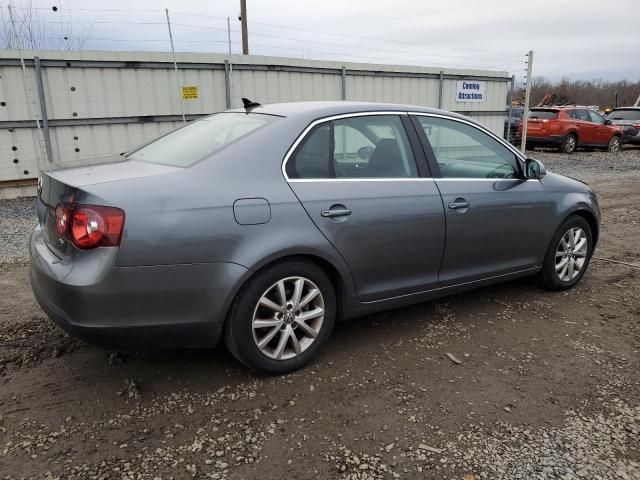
492 213
365 185
602 134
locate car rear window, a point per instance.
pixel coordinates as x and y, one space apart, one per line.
624 115
200 139
544 114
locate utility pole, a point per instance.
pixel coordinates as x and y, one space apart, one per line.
527 94
508 132
175 64
245 33
229 34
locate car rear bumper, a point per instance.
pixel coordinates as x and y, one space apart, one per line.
134 308
631 139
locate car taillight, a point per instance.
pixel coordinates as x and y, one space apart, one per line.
636 126
63 216
90 226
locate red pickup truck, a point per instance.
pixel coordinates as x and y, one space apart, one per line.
569 128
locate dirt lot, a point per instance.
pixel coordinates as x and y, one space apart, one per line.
548 385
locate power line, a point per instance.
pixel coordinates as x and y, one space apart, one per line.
280 37
362 37
399 56
372 49
149 40
321 32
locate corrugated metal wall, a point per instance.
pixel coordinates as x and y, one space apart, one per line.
104 103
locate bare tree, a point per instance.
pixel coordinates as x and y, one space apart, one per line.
583 92
28 27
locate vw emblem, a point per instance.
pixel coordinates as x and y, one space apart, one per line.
39 186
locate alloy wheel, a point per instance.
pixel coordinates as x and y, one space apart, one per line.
570 144
614 145
288 318
571 254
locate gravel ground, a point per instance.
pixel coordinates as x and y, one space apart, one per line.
546 386
17 221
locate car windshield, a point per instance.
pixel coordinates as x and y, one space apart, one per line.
544 114
625 115
200 139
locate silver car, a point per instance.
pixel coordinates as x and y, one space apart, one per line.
264 225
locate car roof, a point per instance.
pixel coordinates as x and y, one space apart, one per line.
562 107
626 108
321 109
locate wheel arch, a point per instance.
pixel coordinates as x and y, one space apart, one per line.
336 276
573 131
590 218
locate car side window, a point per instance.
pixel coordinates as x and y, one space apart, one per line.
311 158
596 117
464 151
372 146
583 115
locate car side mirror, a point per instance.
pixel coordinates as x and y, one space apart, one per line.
608 122
534 169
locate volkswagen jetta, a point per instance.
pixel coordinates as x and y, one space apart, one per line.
263 225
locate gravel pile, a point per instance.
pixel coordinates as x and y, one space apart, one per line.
17 221
32 341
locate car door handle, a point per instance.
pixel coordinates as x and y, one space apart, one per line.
334 213
457 205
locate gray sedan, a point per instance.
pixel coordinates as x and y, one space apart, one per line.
264 225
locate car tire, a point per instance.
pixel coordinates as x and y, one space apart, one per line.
254 307
615 144
553 275
569 144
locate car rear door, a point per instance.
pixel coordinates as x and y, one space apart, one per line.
494 217
364 181
587 130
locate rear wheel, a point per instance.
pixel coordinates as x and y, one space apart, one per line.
282 317
568 255
569 143
614 144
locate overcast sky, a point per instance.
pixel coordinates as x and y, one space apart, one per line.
583 39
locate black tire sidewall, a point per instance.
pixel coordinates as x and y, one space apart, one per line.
548 277
239 334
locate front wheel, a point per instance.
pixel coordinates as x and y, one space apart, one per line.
614 145
282 317
568 255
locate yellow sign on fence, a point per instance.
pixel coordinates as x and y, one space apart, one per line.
189 92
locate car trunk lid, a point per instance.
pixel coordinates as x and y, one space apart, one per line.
68 186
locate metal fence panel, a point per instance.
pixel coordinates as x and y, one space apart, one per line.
103 103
